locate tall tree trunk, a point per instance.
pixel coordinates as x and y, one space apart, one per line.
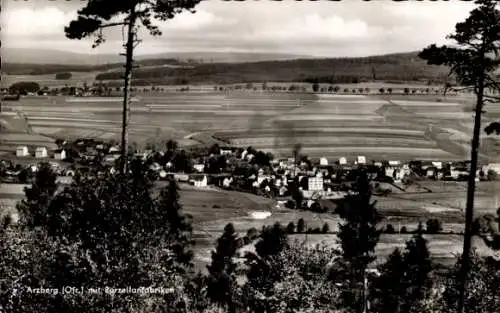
127 90
469 211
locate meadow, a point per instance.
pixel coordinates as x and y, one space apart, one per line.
213 208
330 125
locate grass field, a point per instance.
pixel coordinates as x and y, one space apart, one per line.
379 127
213 209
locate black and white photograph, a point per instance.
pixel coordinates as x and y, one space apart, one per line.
211 156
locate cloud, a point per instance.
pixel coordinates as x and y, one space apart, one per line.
322 28
32 23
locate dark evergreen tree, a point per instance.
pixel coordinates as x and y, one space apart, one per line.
222 286
180 229
264 269
418 270
473 61
301 226
34 207
388 290
358 237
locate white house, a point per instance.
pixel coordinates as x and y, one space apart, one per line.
199 167
22 151
114 149
342 161
361 159
41 152
394 163
225 151
244 154
60 154
438 165
200 181
315 183
323 161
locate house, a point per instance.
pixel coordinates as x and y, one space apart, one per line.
41 152
60 154
323 161
244 154
114 150
199 167
22 151
315 183
394 163
225 151
361 159
342 161
200 181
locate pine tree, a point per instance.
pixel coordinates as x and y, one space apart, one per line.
301 226
34 207
473 60
95 17
417 278
358 237
388 290
264 269
179 228
222 284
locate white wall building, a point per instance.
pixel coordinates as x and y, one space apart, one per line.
41 152
361 159
315 183
342 161
22 151
199 167
60 154
200 182
323 161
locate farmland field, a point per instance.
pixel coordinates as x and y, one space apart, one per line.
213 209
388 127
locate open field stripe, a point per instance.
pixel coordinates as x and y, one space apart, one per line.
424 103
328 117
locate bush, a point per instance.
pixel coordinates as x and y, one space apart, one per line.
325 229
301 226
390 229
64 75
492 175
434 226
404 230
290 229
24 87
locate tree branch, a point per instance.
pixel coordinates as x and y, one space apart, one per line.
113 24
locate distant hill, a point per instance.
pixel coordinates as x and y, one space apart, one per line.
50 57
390 68
239 68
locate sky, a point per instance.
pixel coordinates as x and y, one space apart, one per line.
317 28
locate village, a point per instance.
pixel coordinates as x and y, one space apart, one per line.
232 168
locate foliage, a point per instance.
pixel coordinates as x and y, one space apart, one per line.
387 291
301 226
483 281
358 237
264 268
222 284
24 87
405 282
104 232
63 75
347 71
434 226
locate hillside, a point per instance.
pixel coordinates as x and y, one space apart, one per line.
388 68
394 67
22 61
